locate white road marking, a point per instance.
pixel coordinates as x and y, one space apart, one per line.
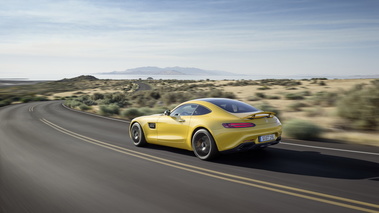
31 109
334 149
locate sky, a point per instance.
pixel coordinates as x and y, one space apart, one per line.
55 39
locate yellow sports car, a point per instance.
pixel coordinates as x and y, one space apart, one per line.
208 126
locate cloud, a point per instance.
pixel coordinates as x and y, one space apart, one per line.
202 33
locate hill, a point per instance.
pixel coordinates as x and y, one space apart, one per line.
80 78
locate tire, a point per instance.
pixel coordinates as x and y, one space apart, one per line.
203 145
137 136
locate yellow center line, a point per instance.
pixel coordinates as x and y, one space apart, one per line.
225 176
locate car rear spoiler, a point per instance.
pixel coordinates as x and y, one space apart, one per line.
260 115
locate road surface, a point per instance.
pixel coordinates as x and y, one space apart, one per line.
57 160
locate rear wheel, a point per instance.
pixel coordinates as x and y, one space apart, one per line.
203 145
137 135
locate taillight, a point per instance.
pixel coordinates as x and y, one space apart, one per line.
238 125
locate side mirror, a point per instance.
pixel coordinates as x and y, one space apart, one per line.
167 112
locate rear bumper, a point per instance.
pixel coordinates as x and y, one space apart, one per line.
251 146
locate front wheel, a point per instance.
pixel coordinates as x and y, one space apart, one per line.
203 145
137 135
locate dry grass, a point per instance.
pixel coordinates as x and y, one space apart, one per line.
325 116
82 92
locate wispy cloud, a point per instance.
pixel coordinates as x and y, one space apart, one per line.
180 32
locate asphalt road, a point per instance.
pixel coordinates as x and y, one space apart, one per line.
57 160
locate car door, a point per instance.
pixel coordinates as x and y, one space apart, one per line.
173 129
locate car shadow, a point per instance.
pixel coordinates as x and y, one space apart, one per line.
303 163
307 163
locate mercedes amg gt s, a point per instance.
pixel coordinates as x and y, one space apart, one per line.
208 126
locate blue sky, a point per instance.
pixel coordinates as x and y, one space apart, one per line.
54 39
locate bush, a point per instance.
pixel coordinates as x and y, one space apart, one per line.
170 98
267 107
5 103
361 106
325 99
315 111
84 107
26 99
301 129
273 97
72 103
294 96
41 98
260 94
108 110
96 96
253 98
131 113
296 106
263 88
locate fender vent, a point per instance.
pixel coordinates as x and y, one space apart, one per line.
152 125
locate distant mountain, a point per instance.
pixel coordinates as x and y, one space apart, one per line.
168 71
80 78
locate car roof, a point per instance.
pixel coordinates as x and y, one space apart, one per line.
226 104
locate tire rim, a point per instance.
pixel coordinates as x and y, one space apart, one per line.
136 134
202 145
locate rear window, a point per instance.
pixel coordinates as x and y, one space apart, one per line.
232 106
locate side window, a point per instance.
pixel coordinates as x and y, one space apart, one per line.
200 110
184 110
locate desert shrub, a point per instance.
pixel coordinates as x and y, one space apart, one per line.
294 96
291 88
297 106
170 98
242 83
216 93
118 98
40 98
26 99
228 95
361 106
325 99
84 107
90 102
315 111
253 98
149 111
315 80
108 110
263 88
72 103
281 82
5 103
301 129
305 93
267 107
97 96
260 94
132 113
105 101
154 94
273 97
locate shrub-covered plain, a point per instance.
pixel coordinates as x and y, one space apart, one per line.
355 109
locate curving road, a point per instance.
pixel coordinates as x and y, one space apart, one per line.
57 160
